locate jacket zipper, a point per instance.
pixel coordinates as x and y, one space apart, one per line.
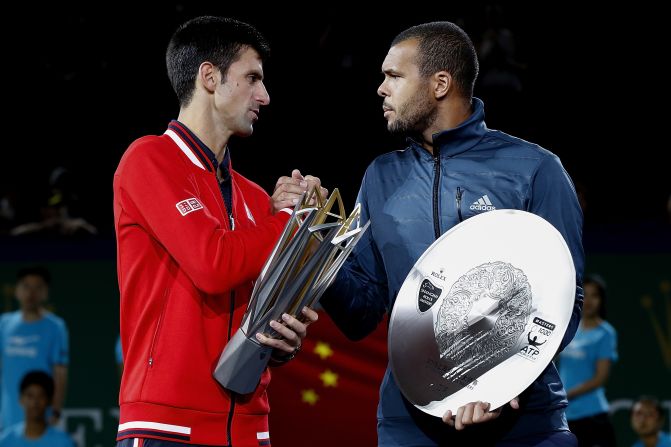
460 192
231 410
154 339
436 184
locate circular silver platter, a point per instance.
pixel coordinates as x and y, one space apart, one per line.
482 312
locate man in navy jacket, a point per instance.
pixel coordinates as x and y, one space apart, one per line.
453 168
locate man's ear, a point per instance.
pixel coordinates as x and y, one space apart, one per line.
442 84
207 76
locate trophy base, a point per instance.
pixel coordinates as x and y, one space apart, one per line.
241 364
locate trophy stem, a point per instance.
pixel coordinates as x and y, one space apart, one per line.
242 354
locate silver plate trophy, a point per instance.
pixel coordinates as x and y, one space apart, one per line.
312 248
482 312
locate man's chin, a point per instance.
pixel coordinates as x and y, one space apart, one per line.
395 129
245 133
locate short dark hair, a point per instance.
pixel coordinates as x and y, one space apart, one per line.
214 39
36 270
38 378
444 46
600 284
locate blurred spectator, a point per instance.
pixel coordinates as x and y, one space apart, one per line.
37 392
581 192
31 338
499 66
584 367
56 213
7 210
647 418
119 355
500 83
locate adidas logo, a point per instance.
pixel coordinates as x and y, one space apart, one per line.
483 204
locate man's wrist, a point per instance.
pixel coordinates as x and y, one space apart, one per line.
283 357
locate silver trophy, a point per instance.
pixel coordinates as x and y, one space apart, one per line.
312 248
482 312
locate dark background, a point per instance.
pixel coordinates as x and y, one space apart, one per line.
84 82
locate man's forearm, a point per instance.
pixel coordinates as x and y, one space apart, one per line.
60 385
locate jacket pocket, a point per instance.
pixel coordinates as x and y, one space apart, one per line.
157 330
458 196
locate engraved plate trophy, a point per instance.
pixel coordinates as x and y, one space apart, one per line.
482 312
314 245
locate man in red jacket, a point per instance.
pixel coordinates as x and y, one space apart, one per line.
192 235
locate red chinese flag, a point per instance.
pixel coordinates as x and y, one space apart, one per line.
327 395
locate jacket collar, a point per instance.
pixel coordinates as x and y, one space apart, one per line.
454 141
198 152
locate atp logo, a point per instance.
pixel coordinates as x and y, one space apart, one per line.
534 341
539 333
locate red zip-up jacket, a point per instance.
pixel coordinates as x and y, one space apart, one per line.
185 279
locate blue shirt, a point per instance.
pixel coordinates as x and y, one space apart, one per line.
14 436
578 364
27 346
664 440
118 351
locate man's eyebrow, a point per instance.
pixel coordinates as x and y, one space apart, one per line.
391 69
256 72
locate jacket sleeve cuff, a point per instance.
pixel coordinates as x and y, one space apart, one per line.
282 358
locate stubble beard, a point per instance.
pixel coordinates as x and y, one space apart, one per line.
415 116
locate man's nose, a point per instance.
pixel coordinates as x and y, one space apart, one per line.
381 91
263 97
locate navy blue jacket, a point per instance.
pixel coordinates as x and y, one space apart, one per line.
412 197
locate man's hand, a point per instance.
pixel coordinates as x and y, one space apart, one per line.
475 413
292 330
55 417
288 190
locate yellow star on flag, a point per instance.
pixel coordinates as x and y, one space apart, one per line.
309 397
329 378
323 350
